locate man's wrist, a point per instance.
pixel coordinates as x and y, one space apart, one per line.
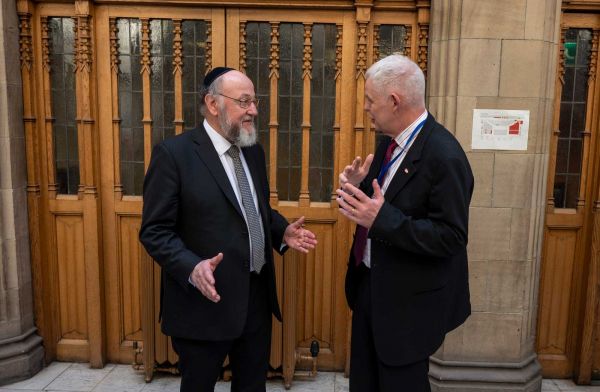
192 273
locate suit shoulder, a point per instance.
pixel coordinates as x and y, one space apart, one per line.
177 145
445 151
255 149
178 140
445 143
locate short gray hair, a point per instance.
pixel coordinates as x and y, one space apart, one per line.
399 74
213 89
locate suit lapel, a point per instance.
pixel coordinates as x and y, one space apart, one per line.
410 163
207 153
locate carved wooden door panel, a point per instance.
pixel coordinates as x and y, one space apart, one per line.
151 61
63 184
295 62
567 322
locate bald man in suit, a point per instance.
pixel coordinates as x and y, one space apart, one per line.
407 279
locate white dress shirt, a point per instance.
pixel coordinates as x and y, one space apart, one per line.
222 145
403 146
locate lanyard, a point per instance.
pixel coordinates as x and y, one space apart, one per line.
385 169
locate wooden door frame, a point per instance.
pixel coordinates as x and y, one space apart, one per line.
50 208
583 306
115 205
589 295
588 304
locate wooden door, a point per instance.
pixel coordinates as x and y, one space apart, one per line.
63 184
110 80
152 61
567 322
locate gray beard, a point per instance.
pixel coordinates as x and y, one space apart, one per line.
234 132
245 139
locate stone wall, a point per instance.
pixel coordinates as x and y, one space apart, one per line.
21 352
490 54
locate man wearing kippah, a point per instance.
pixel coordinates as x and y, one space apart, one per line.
207 222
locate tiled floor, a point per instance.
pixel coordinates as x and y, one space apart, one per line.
76 377
566 386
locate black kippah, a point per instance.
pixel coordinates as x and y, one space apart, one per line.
214 74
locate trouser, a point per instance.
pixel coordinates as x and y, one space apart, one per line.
200 361
367 372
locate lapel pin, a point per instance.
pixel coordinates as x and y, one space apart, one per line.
406 170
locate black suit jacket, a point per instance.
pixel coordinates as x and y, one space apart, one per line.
419 278
191 213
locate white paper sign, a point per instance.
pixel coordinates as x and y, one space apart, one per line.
496 129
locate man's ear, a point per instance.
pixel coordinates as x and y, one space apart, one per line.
211 104
396 100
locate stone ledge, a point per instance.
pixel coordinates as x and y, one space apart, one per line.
21 359
456 376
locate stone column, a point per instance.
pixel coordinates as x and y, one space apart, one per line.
21 352
491 54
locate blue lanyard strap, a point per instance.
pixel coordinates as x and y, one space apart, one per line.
385 168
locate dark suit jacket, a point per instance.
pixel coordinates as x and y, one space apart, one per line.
419 278
191 213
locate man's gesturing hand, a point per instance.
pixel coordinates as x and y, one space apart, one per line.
360 208
297 237
356 172
202 277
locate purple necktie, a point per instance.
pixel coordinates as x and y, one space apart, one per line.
360 239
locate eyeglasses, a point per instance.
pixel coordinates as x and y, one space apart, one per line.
244 103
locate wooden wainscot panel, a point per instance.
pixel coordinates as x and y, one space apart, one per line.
315 313
314 296
557 274
129 279
157 351
73 342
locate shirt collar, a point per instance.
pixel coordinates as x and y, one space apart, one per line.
221 144
406 133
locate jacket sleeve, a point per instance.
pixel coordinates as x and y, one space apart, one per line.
442 231
278 226
158 232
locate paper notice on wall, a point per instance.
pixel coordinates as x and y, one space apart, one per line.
496 129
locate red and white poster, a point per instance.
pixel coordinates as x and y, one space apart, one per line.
497 129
